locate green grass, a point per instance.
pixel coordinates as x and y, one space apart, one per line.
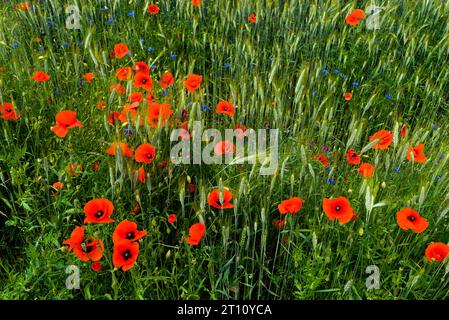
276 79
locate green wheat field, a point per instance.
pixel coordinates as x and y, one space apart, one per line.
92 205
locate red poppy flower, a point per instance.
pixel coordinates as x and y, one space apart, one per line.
40 76
418 153
119 89
437 251
98 211
131 110
96 266
385 139
93 250
196 233
166 80
338 208
214 199
125 254
409 219
23 6
101 105
135 97
58 185
143 80
65 120
142 177
291 206
348 96
354 17
89 76
403 131
240 130
158 111
196 3
353 157
75 169
171 218
153 9
320 157
123 73
224 147
252 18
145 153
7 112
141 67
127 230
225 107
125 149
366 170
193 82
120 50
76 238
113 117
95 166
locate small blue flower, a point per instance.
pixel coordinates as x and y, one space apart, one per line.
355 84
227 65
204 11
65 44
343 77
49 22
328 169
141 41
150 49
128 131
396 169
78 43
152 67
110 20
131 14
336 72
104 9
437 178
14 44
189 104
330 181
434 127
56 92
325 72
164 93
389 96
41 49
174 56
205 107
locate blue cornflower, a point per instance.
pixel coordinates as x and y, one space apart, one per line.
389 96
396 169
131 14
325 72
174 56
434 127
343 77
78 43
128 131
49 22
65 44
331 181
57 92
164 93
141 41
152 67
41 49
328 169
355 84
336 72
150 49
205 107
227 65
110 20
14 44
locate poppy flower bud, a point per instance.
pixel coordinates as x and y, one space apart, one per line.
168 254
188 179
383 185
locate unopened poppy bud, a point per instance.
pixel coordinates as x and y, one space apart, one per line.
350 191
188 179
360 231
383 185
168 254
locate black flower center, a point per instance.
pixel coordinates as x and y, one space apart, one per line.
126 254
98 214
144 81
149 156
89 249
411 218
8 110
130 235
337 208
